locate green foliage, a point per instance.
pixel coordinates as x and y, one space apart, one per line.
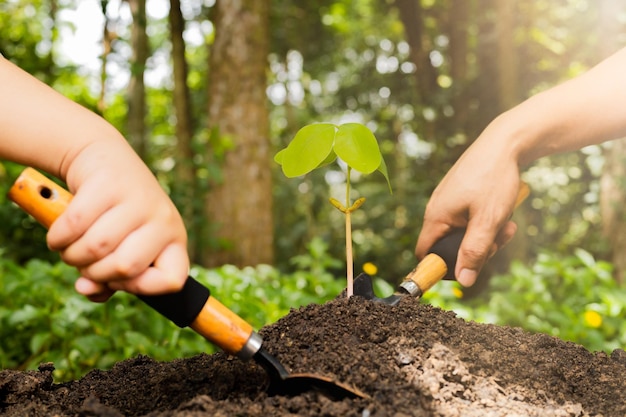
42 318
574 298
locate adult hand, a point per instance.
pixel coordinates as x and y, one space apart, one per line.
479 194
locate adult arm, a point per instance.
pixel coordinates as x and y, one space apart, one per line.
479 191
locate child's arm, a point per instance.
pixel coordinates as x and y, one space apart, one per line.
120 220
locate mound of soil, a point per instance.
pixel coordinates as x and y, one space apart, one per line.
411 359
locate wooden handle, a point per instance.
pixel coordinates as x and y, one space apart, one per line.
39 196
218 324
441 261
428 272
192 306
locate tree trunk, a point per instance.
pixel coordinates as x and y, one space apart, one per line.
183 188
412 17
458 29
136 88
507 57
49 58
508 97
240 205
613 178
107 39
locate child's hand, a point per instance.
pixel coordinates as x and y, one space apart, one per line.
121 230
120 221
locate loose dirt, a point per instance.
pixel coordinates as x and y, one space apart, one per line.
411 359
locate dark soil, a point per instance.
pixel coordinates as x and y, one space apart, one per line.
412 360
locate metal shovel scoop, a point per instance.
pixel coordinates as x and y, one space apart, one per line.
192 306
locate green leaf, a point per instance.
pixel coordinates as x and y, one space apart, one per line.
382 168
311 147
585 257
25 314
91 344
39 340
357 146
278 158
332 156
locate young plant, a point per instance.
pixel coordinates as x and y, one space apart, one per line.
319 144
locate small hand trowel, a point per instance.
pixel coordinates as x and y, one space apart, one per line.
438 264
192 306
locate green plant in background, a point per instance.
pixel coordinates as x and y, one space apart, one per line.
42 319
574 298
320 144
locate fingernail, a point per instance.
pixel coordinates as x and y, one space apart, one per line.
467 277
83 286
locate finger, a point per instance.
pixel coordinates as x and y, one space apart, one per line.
101 239
132 257
506 234
94 291
79 215
479 246
168 274
476 246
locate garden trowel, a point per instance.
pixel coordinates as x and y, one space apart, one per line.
438 264
192 306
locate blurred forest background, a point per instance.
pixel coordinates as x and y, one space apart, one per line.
208 91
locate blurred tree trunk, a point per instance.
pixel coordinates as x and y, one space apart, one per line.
240 205
136 88
508 85
507 96
412 17
458 29
483 91
107 40
183 188
613 178
50 69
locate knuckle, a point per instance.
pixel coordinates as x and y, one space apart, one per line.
128 269
73 219
475 253
98 249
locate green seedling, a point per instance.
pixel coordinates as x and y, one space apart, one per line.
320 144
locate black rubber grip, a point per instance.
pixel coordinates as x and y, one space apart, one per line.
448 249
180 307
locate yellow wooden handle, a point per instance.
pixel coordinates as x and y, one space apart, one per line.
45 201
39 196
433 268
218 324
